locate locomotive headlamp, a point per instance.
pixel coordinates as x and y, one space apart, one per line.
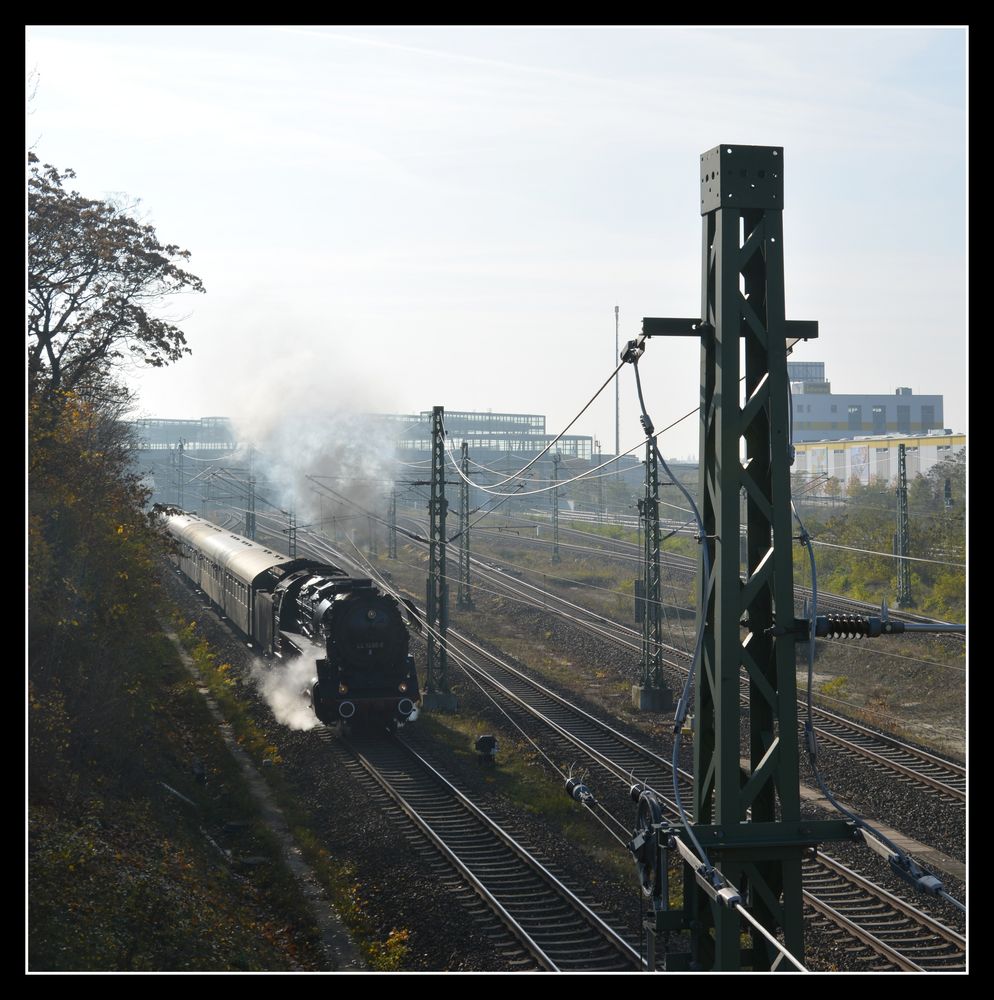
403 687
343 688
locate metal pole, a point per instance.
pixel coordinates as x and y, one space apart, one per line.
437 681
556 459
617 400
464 598
392 535
652 633
748 621
903 536
600 482
743 243
250 510
179 475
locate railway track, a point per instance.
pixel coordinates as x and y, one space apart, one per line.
897 934
937 775
549 927
945 777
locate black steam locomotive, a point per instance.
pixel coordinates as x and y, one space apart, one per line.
298 607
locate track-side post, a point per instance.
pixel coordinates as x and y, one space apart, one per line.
651 694
902 539
617 399
600 484
464 598
436 693
743 300
556 459
392 533
746 818
179 474
250 510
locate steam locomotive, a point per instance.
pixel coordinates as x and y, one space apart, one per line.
365 675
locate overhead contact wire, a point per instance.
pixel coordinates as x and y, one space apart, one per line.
559 436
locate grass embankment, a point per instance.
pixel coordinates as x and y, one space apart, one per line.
336 877
146 849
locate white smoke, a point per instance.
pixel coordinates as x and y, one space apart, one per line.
305 413
284 684
348 454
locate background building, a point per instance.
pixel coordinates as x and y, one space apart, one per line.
207 433
490 435
869 458
820 415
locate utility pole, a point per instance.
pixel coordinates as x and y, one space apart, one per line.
392 533
651 694
617 402
600 481
250 510
372 537
902 539
556 459
179 474
464 598
437 693
746 818
291 532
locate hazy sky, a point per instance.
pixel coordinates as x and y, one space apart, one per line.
393 218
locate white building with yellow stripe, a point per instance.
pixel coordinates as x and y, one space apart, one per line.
867 458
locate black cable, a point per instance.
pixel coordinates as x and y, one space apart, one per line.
683 705
545 450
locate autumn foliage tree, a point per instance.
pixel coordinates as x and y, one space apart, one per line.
95 275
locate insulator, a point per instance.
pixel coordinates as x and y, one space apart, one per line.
847 626
577 790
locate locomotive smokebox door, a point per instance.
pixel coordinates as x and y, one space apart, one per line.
486 749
